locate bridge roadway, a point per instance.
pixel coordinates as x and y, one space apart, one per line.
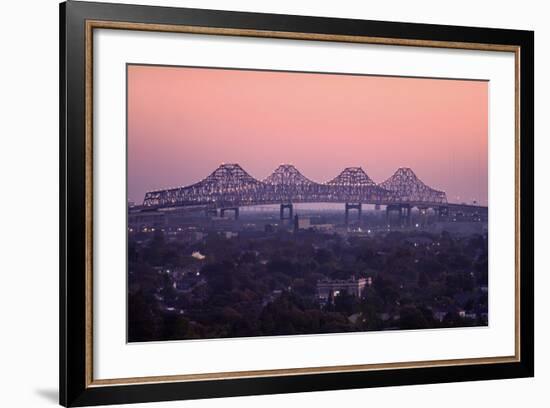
402 210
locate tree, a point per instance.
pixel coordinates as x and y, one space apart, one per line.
386 289
412 318
345 303
142 318
423 281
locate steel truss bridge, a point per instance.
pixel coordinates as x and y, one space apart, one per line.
230 187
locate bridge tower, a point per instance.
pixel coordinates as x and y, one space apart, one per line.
234 209
353 206
290 208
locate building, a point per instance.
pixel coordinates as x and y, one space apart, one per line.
330 288
304 223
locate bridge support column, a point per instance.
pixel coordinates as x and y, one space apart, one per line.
389 209
234 209
423 215
353 206
290 208
405 215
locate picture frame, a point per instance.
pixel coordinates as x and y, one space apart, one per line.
78 164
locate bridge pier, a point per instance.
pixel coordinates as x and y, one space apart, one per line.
442 212
406 214
403 211
423 215
290 208
353 206
388 211
234 209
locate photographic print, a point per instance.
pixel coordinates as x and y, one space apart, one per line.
265 203
232 182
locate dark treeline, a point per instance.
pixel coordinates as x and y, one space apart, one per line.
267 285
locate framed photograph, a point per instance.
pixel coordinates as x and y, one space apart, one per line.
256 203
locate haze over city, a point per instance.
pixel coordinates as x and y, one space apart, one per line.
184 122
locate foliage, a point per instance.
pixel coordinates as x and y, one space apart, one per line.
257 287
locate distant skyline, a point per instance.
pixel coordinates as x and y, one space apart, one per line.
184 122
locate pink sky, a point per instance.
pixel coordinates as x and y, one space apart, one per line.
185 122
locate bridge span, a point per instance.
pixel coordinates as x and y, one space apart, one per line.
230 187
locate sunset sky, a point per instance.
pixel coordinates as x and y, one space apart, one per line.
185 122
